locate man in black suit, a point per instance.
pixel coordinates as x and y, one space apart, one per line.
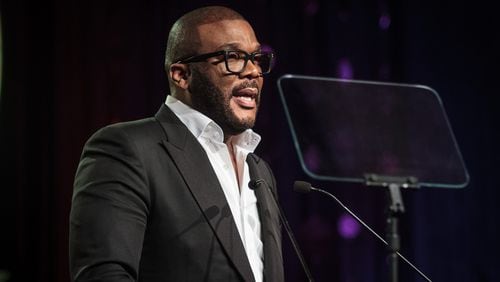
166 198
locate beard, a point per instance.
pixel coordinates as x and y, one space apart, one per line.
208 99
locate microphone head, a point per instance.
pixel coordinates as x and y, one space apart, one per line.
254 183
302 187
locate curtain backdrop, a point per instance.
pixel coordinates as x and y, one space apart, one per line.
71 67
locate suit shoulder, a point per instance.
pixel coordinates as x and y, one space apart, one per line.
140 134
136 129
132 127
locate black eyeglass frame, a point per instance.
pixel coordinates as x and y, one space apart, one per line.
251 57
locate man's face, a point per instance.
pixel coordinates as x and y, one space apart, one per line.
231 100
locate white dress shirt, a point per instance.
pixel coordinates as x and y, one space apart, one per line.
241 199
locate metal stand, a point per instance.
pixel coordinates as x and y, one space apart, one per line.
395 208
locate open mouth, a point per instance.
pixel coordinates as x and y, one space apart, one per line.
246 97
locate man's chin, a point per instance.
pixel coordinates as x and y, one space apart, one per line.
239 126
245 115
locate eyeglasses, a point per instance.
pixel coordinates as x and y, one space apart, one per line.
236 61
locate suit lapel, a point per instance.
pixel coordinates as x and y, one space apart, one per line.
192 162
270 226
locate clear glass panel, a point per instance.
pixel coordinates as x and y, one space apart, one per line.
345 129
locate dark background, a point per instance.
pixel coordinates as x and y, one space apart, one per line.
71 67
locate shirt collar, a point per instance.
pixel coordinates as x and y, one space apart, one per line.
202 126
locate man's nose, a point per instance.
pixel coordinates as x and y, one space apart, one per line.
251 70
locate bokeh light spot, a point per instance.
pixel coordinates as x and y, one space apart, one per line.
344 69
348 227
384 22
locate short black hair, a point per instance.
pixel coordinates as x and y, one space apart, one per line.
183 40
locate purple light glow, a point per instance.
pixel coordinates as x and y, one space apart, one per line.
344 69
268 48
348 227
312 158
384 22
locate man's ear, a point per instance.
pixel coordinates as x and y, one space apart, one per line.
179 73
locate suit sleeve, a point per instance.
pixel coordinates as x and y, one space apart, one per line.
109 209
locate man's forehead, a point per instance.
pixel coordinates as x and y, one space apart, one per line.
235 33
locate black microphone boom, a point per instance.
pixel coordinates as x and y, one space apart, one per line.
254 184
305 187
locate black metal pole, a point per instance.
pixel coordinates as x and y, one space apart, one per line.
395 207
392 238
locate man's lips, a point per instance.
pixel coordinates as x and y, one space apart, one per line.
246 97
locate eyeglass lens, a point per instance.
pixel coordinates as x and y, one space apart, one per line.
237 60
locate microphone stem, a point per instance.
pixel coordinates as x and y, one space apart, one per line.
371 230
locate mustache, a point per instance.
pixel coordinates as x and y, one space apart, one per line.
246 84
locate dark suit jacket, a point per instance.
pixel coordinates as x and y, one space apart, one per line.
147 206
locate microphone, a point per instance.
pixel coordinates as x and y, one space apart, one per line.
305 187
254 184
